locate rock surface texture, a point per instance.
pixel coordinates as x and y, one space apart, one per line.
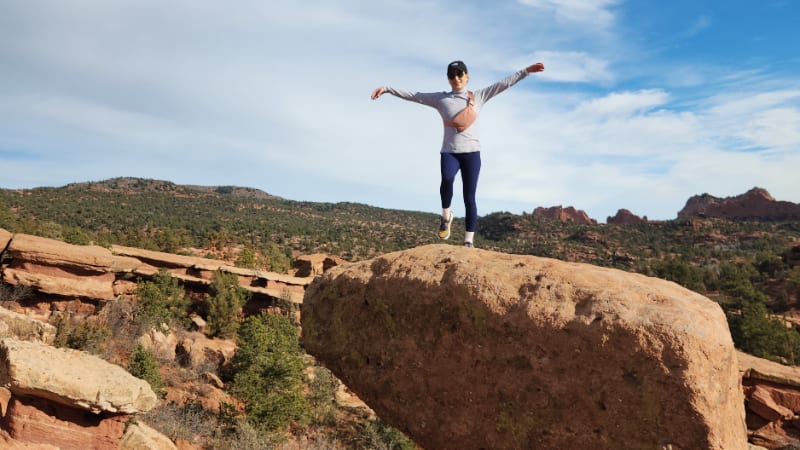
71 378
19 326
772 394
95 273
467 349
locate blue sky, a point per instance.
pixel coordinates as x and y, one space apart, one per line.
642 104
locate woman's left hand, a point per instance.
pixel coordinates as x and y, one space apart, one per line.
538 67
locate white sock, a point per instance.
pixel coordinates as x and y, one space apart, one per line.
469 236
446 213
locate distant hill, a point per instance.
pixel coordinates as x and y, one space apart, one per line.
755 204
161 215
130 185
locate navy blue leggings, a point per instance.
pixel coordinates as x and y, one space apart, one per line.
470 165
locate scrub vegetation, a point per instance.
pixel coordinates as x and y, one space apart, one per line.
751 268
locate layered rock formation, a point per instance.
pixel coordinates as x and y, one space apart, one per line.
71 378
19 326
625 217
467 349
755 204
100 274
316 264
772 393
568 214
66 398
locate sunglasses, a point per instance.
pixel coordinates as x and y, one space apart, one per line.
457 73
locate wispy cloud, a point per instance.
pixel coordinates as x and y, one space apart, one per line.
574 67
598 12
275 96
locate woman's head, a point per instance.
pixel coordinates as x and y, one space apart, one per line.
457 75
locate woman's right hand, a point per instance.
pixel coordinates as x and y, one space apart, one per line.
538 67
378 92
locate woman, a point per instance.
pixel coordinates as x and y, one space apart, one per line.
460 146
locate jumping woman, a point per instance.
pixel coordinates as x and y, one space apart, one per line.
461 148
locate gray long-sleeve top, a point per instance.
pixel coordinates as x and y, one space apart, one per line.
451 103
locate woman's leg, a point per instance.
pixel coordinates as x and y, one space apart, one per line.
470 169
449 167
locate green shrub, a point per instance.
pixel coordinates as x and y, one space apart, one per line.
323 403
754 332
159 301
246 259
83 334
14 293
278 261
269 373
143 365
376 434
682 273
224 305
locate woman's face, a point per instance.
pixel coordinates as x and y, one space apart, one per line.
458 81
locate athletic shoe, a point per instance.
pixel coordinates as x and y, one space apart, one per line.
468 244
444 227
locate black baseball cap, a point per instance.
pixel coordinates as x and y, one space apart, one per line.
456 67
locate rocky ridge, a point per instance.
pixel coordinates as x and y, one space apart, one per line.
755 204
772 418
54 398
625 217
562 214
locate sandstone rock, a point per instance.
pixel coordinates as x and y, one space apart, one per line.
625 217
316 264
756 203
20 326
196 270
38 421
5 238
568 214
212 379
72 378
198 323
761 402
755 368
139 436
199 352
5 397
772 393
53 280
55 267
465 349
210 397
8 443
183 444
345 398
50 252
161 344
162 259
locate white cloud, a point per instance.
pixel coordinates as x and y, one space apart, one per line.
276 96
573 67
623 103
585 11
777 128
